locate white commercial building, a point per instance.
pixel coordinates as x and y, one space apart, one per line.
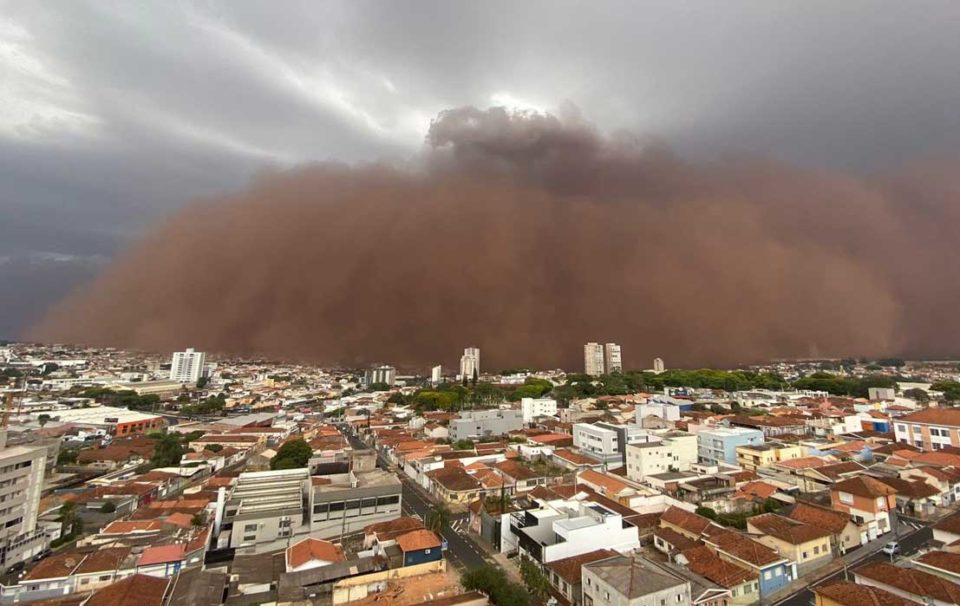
470 363
537 407
187 366
21 480
612 360
566 528
658 408
593 359
671 451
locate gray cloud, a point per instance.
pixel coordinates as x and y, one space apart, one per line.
112 115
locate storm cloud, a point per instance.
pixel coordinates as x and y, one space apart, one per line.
529 234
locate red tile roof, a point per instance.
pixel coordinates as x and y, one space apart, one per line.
162 554
311 549
568 569
834 521
138 590
864 486
701 560
935 416
913 581
786 529
418 540
846 593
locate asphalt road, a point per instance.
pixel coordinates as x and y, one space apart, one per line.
908 546
462 551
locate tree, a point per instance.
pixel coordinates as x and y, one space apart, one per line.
493 582
707 513
43 419
202 382
214 447
292 454
463 444
108 507
438 517
476 376
917 394
536 582
199 519
67 457
167 451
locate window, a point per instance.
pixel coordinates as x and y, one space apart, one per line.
816 549
767 575
250 528
846 497
778 572
805 555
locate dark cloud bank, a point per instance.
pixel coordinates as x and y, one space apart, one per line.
529 234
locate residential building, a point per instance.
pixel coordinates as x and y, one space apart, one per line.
759 456
632 581
436 374
470 363
847 593
773 570
611 358
598 441
868 501
381 374
719 445
187 366
844 532
671 451
21 480
929 429
806 545
419 547
567 528
537 407
663 408
944 564
565 575
593 359
658 366
483 423
771 426
909 583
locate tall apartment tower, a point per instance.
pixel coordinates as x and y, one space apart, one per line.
436 373
381 374
593 359
658 366
612 359
21 475
187 366
470 362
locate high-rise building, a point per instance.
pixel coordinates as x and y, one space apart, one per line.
436 373
612 360
381 374
658 366
21 475
593 359
470 362
187 366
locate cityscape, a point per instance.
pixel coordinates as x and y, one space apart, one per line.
203 478
479 303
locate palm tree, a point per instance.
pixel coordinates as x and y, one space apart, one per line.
438 517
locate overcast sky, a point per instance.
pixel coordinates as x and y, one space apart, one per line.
113 114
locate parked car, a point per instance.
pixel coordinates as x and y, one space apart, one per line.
16 567
891 548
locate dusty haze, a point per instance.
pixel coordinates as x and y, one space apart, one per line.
527 235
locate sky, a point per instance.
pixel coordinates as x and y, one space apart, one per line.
114 115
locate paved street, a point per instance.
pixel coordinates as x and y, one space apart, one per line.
462 551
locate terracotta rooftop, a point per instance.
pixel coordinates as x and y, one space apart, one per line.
55 566
162 554
846 593
311 549
686 520
744 548
787 529
104 560
913 581
568 569
864 486
934 416
821 517
941 559
707 564
417 540
138 590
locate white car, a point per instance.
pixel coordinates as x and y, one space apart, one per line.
891 548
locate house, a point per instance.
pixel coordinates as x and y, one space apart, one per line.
806 545
846 593
312 553
947 532
632 581
672 451
758 456
419 547
742 583
136 590
909 583
844 533
868 501
944 479
929 429
771 426
941 563
162 560
519 477
915 497
565 575
815 479
387 532
719 445
454 485
773 570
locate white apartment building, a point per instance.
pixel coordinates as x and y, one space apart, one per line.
665 410
436 374
470 362
593 359
671 451
187 366
658 366
21 480
612 359
537 407
565 528
381 374
596 440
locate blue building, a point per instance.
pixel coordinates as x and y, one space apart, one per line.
419 547
719 445
773 570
